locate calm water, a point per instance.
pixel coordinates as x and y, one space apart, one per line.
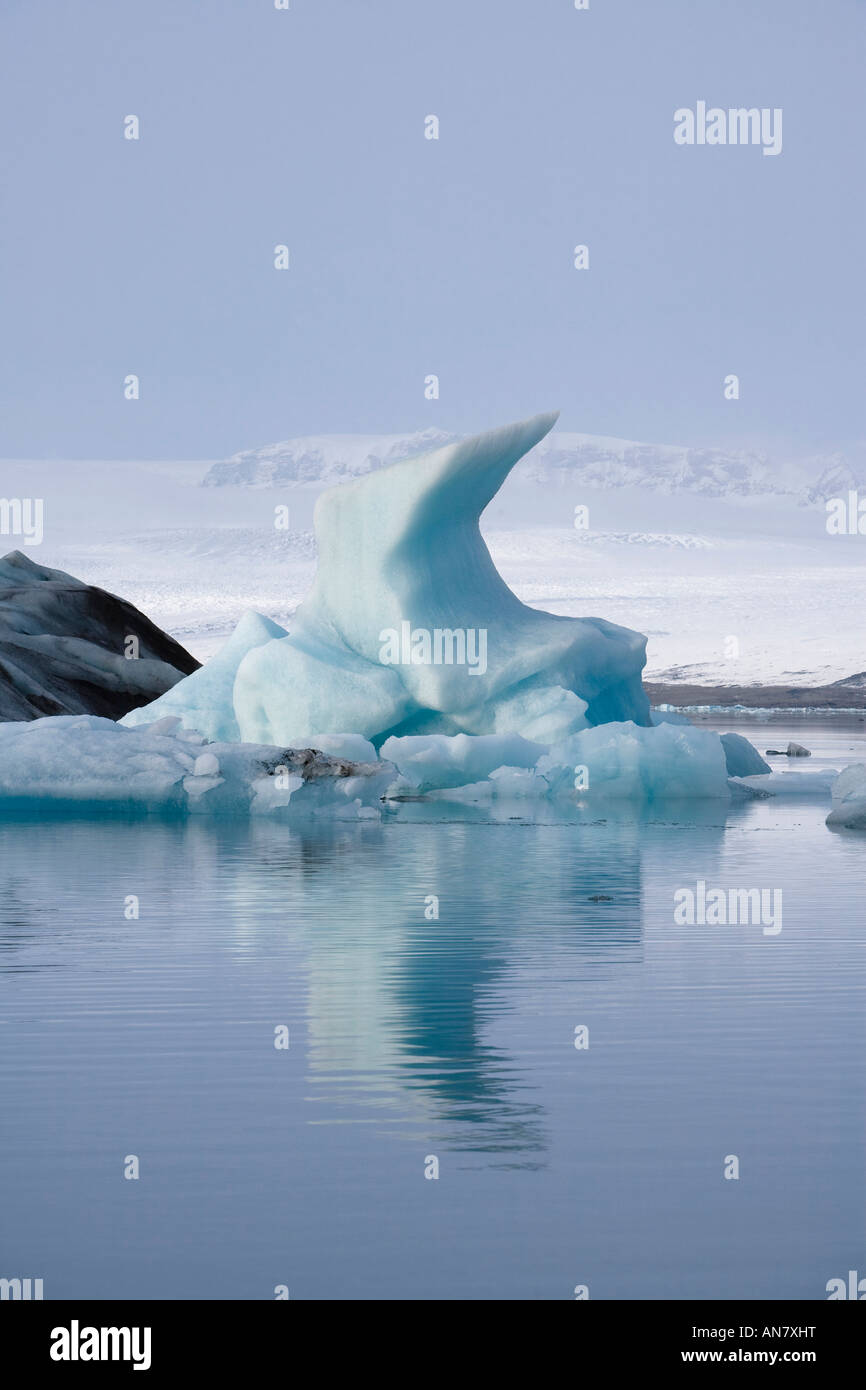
452 1038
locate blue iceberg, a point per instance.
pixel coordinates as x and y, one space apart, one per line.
409 629
411 668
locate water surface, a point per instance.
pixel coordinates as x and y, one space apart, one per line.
414 1038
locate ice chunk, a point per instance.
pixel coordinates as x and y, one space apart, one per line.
352 746
742 758
95 761
619 760
503 784
89 759
206 765
849 799
799 784
623 760
409 628
543 713
205 699
199 783
169 724
437 760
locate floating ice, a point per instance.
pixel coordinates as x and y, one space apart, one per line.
409 642
849 799
204 699
409 628
412 643
434 761
623 760
794 750
89 760
799 784
742 758
353 746
164 765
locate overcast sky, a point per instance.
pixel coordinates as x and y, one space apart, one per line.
410 256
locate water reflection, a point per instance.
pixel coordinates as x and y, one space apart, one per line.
410 944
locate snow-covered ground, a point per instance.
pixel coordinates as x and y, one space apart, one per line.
732 584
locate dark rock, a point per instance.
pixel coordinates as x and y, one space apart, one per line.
63 643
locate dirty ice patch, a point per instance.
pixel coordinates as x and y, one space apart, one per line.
89 761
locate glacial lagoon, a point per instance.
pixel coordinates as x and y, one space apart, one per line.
537 1090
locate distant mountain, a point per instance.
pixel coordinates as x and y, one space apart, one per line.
325 458
63 644
855 682
593 460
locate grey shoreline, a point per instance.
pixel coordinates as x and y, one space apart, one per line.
849 699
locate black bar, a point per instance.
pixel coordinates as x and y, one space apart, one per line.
229 1338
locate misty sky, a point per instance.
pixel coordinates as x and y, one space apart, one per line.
411 256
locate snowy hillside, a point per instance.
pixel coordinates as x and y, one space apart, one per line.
328 458
592 460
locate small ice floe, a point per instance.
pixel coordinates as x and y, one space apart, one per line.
799 784
849 799
96 762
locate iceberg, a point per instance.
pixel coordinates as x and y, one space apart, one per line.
92 761
848 794
410 630
164 766
410 670
625 761
796 784
410 643
742 758
618 761
436 761
204 699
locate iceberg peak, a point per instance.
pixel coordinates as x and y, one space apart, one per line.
401 549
